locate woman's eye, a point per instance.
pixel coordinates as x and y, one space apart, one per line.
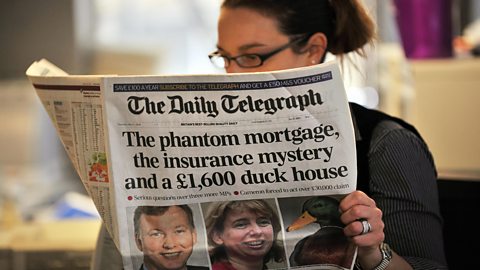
249 58
264 222
240 225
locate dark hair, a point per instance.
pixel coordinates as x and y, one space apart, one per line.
345 23
158 211
218 212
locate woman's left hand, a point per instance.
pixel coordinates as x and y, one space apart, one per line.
355 207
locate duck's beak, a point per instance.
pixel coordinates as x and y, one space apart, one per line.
301 222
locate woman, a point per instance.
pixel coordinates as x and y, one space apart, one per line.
243 235
397 202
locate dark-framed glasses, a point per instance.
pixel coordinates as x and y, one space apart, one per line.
249 60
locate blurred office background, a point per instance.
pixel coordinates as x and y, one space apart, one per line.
433 85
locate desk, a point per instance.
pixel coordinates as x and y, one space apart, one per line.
459 175
61 245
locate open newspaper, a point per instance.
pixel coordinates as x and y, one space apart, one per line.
255 162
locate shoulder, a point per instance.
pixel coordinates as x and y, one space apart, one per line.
376 127
398 148
369 120
387 128
393 134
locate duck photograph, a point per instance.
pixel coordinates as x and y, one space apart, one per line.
314 233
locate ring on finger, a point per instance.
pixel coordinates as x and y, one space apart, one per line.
366 226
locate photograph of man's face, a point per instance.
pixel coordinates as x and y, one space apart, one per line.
166 238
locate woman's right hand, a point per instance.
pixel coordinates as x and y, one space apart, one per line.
358 206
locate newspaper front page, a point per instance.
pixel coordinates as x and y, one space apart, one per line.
256 163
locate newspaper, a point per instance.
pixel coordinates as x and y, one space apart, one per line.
283 139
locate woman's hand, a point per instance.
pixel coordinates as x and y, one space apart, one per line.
355 207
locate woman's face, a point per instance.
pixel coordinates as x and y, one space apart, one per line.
246 235
244 31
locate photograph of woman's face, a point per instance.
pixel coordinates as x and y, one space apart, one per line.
246 234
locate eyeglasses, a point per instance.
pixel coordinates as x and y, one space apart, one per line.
250 60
